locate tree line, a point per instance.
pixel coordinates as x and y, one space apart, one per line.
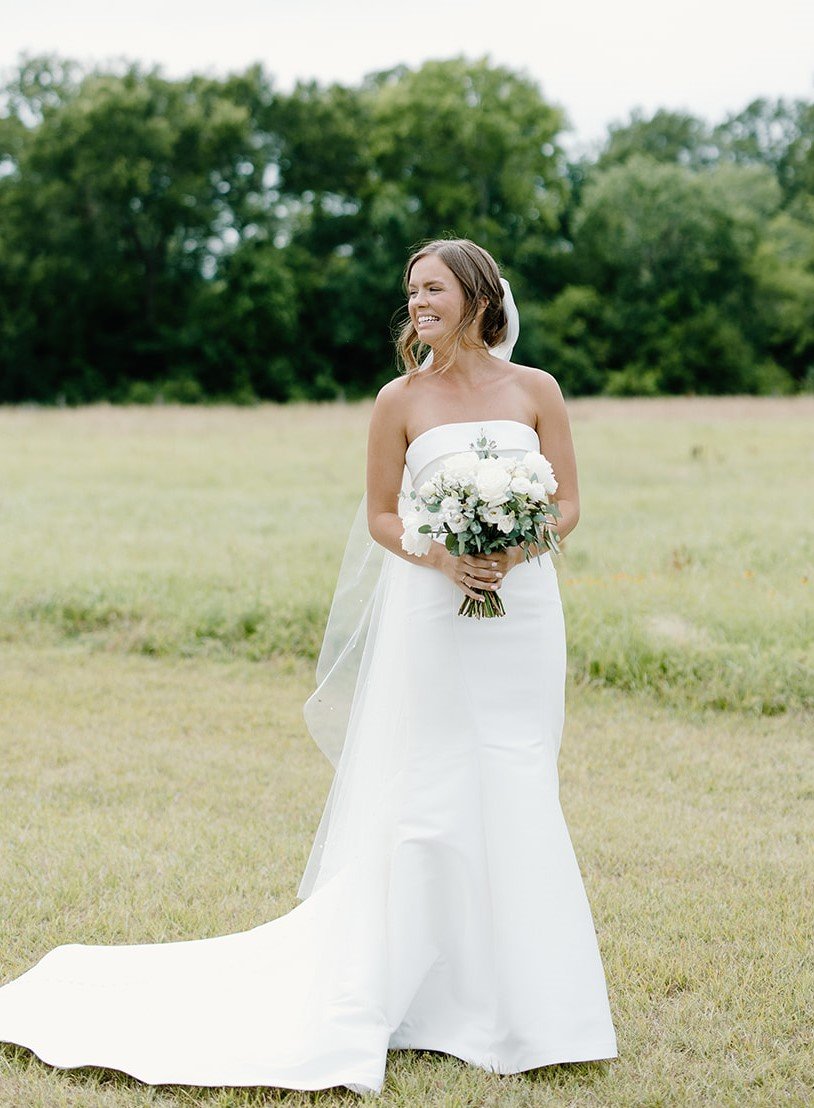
217 238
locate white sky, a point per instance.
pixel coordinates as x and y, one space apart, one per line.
596 58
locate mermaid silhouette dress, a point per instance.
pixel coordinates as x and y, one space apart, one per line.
444 907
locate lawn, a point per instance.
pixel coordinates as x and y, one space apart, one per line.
157 635
172 532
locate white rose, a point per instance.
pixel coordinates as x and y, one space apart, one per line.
492 480
540 468
506 523
462 466
521 486
414 514
413 542
538 492
427 490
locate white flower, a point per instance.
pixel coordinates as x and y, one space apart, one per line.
450 504
413 512
492 480
427 490
462 466
506 523
457 522
491 515
413 542
521 486
540 468
538 492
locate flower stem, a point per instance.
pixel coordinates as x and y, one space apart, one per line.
490 607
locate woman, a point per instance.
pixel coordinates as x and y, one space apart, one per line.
459 318
443 905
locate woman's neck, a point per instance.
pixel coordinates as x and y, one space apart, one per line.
472 368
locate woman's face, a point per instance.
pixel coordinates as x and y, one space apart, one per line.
435 299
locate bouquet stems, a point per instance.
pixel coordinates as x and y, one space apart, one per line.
490 606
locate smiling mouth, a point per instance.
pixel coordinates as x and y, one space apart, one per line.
423 319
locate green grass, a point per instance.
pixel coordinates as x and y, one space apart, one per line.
690 575
171 532
158 626
155 799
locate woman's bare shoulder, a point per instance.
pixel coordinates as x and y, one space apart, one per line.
533 377
400 395
390 408
540 386
392 394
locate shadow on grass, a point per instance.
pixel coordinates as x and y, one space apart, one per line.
439 1069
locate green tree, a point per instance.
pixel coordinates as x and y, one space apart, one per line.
209 237
783 271
117 204
473 147
671 258
668 137
778 134
454 147
567 335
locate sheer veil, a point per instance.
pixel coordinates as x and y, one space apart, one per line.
362 630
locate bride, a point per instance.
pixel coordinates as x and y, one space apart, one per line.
443 907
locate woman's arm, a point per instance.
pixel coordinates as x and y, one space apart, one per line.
554 431
557 444
386 447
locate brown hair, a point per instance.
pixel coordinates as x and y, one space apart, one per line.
479 277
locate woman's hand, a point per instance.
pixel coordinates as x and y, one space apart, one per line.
476 573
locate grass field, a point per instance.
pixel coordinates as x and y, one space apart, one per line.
157 637
168 532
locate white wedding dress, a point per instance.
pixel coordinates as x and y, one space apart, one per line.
443 907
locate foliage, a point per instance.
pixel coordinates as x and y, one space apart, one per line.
215 238
669 251
674 138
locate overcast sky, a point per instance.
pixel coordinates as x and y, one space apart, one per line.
596 58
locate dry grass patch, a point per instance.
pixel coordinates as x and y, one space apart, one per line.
154 799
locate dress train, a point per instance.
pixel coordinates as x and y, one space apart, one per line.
444 906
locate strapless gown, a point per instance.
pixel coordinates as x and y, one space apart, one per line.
444 907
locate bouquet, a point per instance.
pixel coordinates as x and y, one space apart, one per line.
482 503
